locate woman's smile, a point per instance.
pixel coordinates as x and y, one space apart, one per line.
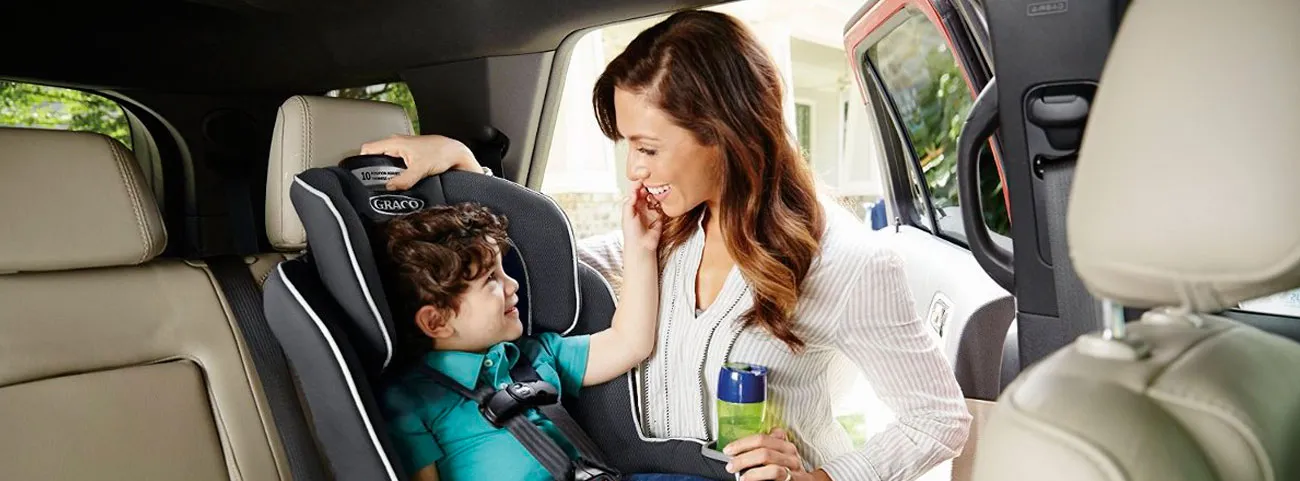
659 192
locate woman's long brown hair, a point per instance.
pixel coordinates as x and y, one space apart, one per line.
712 77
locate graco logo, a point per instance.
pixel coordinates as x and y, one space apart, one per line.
1048 8
395 204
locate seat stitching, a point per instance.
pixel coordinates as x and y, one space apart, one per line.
122 170
305 160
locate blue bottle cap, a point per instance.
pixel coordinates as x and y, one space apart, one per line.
742 383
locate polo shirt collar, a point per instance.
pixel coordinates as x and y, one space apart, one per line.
465 367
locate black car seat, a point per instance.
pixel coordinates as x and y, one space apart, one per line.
115 364
331 312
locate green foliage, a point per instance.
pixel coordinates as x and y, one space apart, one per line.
30 105
395 92
932 98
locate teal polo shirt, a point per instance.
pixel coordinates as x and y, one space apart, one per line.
431 424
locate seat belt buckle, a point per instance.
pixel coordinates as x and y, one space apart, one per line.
516 397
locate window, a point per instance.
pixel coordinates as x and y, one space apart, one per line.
803 121
1282 304
393 93
40 106
931 98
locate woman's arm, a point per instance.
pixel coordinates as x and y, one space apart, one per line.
880 331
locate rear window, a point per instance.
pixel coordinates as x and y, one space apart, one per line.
392 92
42 106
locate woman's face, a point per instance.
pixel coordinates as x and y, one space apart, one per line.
677 170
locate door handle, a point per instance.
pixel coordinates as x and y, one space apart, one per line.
980 124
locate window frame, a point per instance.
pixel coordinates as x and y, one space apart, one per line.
812 125
883 19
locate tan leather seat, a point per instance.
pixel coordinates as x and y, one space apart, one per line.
114 364
1184 202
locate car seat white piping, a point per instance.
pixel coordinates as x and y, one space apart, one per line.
347 374
356 268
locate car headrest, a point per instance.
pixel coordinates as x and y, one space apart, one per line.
318 132
73 200
344 218
1185 189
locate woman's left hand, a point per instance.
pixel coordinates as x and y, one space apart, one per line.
769 457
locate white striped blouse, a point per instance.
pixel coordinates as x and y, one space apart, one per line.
855 305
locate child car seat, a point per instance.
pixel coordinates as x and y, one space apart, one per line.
329 310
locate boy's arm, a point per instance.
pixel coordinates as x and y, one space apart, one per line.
631 337
429 473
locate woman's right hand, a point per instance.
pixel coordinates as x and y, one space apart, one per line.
642 226
425 155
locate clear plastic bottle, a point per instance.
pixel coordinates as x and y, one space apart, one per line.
742 401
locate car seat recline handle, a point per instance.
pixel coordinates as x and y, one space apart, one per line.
980 124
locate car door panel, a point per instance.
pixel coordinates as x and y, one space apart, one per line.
970 313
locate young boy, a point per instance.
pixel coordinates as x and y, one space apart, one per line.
447 263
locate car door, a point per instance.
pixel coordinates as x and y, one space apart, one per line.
919 72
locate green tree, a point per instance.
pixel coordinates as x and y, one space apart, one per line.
31 105
395 92
934 117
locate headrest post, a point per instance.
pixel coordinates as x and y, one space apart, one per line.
1114 325
1114 342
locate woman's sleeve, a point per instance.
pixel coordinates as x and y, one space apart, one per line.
604 253
900 355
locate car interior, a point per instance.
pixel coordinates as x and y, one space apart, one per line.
169 311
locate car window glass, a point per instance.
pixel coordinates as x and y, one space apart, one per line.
392 92
41 106
1282 304
930 96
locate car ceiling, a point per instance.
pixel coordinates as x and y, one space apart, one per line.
238 46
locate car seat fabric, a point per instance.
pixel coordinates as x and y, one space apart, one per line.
332 314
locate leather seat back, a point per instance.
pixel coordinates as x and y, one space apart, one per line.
1184 203
114 364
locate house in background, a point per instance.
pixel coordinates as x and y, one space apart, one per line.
586 172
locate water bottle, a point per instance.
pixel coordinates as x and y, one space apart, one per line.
742 401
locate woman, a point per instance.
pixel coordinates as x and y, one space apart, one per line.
756 266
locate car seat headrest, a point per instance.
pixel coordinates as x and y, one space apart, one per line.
318 132
73 200
343 218
1185 189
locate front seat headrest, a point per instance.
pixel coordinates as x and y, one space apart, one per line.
1185 190
318 132
73 200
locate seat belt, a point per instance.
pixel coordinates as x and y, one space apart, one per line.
1072 297
541 446
245 300
523 371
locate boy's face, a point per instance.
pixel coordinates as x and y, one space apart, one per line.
487 314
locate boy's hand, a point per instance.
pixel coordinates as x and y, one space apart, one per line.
425 155
642 222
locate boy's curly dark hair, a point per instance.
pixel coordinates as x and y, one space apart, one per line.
435 253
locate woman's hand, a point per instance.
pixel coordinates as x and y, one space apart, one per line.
425 155
642 223
769 457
